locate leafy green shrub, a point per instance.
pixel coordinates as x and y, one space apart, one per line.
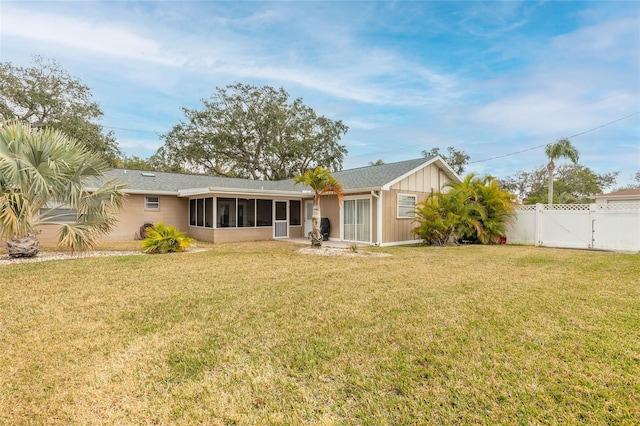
475 210
165 239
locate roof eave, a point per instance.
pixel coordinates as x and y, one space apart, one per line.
140 191
364 189
150 191
231 191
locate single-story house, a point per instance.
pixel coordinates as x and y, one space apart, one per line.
377 206
623 196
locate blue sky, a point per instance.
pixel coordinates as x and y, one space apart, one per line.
490 78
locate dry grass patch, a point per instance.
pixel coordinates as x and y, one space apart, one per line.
257 333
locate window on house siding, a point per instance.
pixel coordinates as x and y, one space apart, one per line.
246 212
230 212
192 212
152 203
226 213
294 212
264 212
406 206
208 212
58 215
201 212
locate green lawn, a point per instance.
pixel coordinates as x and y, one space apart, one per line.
256 333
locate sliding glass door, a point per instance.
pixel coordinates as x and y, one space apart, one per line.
357 220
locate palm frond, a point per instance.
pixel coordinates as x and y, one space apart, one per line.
45 168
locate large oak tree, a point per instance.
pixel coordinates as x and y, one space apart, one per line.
46 96
252 132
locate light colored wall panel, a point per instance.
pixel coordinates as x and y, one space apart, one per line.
330 208
234 235
173 211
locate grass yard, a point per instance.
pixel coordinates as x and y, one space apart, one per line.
256 333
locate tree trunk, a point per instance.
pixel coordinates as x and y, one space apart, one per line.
28 246
550 168
316 234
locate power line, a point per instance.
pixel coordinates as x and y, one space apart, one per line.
545 144
456 136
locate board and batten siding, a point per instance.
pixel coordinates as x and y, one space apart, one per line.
427 180
396 229
422 183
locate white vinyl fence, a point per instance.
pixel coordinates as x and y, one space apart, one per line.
614 226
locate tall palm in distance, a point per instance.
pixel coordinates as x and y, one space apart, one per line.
560 149
322 182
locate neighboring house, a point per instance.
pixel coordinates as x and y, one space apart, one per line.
377 207
624 196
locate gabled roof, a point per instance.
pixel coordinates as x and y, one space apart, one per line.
363 178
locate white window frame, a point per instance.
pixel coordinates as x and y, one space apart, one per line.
149 205
356 198
404 208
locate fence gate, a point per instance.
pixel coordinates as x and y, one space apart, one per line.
564 225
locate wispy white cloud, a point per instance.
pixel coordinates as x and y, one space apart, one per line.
484 77
363 73
494 18
607 41
88 35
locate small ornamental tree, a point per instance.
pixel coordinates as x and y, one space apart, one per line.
44 176
322 183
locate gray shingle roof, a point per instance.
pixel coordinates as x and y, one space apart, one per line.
368 177
174 182
377 176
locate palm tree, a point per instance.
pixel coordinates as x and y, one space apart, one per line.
561 149
322 183
499 207
42 171
474 210
467 207
445 217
